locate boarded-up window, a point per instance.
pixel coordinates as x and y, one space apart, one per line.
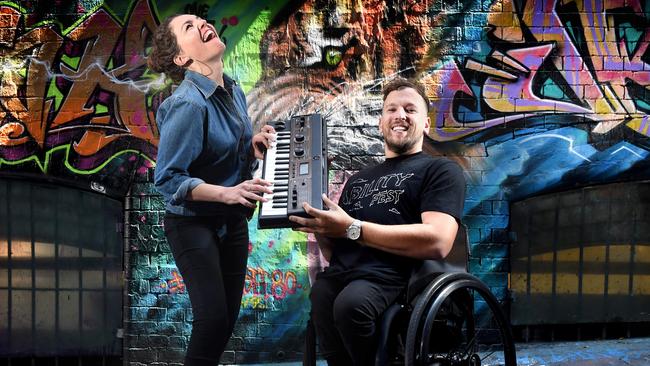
60 271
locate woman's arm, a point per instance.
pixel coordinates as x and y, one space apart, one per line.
181 141
181 134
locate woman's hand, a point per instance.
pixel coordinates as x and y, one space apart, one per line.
246 193
263 140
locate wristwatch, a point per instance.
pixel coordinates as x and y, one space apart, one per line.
353 232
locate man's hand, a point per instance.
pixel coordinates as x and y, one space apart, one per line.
331 223
263 141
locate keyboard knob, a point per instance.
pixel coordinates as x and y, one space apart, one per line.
300 137
299 151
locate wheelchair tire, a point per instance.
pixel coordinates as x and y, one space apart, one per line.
444 328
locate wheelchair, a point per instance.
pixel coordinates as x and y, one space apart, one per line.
445 317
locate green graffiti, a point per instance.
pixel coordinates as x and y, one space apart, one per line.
631 35
551 90
54 93
101 109
43 166
71 62
641 104
249 72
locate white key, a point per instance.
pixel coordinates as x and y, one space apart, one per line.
269 174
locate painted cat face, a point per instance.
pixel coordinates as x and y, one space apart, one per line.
331 57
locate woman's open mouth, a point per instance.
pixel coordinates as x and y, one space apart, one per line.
209 35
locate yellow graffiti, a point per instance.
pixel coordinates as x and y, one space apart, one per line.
253 302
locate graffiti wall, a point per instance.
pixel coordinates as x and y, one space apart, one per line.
77 101
529 97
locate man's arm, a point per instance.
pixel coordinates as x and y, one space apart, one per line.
325 245
432 239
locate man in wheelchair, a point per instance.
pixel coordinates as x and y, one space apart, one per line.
389 218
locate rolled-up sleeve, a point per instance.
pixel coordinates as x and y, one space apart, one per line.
180 123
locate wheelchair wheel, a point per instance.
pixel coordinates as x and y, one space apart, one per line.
446 330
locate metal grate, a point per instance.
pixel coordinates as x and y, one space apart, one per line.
60 275
580 262
63 361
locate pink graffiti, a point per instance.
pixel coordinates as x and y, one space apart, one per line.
598 73
278 283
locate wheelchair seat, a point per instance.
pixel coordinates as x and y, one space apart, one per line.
456 261
434 321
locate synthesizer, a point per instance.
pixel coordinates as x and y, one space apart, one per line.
297 165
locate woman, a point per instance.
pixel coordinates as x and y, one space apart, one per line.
206 156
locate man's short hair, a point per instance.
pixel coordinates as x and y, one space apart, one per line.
401 83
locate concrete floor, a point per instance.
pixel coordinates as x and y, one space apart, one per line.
635 351
628 352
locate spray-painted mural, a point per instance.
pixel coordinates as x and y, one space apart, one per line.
554 99
528 97
78 101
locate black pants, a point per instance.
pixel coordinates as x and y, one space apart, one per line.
213 269
345 314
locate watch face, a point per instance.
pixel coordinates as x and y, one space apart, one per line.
354 232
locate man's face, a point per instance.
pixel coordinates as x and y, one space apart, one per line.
403 122
197 39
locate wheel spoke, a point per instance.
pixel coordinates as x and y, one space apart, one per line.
470 345
488 355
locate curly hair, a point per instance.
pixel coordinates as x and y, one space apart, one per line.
164 49
401 83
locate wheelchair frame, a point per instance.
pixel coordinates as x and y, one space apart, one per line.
432 288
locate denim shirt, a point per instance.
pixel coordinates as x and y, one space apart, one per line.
205 137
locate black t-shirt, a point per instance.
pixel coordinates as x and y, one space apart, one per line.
395 192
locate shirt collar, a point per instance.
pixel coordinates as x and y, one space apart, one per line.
206 86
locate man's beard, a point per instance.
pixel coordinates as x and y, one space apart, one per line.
401 147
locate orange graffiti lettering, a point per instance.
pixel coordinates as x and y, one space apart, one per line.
87 89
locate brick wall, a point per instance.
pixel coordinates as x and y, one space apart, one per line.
157 310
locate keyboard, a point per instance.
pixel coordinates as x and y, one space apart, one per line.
297 164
